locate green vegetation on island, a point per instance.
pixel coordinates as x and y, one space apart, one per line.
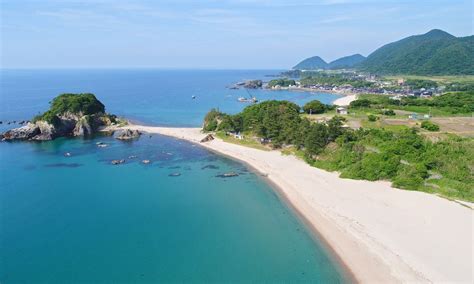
284 82
83 104
403 156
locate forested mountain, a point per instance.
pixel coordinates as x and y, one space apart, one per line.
312 63
346 61
434 53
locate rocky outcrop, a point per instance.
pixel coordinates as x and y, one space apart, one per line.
83 127
253 84
208 138
67 124
128 134
26 132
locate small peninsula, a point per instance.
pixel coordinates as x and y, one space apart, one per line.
69 115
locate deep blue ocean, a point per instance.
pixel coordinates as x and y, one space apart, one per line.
80 219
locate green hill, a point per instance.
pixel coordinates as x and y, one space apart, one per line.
346 61
312 63
434 53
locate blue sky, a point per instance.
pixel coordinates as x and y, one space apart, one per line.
225 34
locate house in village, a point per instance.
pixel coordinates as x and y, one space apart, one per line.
341 110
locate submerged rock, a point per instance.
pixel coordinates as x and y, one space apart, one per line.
227 175
63 165
128 134
213 167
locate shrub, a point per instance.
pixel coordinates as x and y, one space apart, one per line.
314 107
372 117
211 120
430 126
388 112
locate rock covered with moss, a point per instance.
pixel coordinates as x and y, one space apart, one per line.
69 115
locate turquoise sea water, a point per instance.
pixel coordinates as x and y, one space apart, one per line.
80 219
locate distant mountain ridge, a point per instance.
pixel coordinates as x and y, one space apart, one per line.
316 62
312 63
347 61
433 53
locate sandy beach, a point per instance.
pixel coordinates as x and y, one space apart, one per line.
345 101
381 234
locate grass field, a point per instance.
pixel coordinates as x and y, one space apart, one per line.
439 79
454 124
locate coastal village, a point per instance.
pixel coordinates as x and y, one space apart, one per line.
398 88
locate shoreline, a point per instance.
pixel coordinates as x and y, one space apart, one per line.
345 100
377 233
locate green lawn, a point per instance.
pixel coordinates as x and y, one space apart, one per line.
248 142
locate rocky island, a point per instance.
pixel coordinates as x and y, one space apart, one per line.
69 115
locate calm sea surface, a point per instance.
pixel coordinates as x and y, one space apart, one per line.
81 219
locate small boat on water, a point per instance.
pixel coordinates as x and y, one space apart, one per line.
193 97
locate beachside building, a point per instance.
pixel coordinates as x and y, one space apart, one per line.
341 110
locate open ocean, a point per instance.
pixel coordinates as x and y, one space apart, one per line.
80 219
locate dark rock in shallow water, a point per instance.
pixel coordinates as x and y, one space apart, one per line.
227 175
174 174
128 134
118 162
212 167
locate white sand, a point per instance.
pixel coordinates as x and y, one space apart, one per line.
345 101
381 234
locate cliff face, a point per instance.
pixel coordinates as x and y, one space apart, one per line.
68 124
